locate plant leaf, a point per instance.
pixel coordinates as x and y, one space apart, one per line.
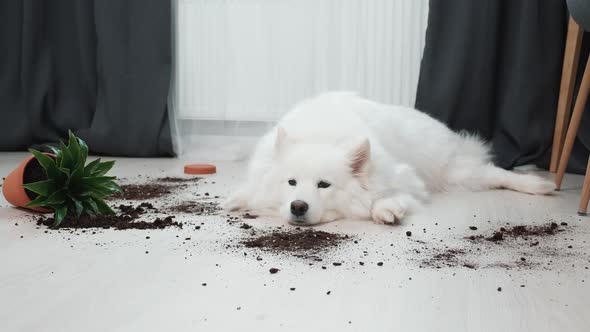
43 188
115 187
74 149
97 180
91 206
46 162
98 190
75 176
64 170
59 215
39 201
78 207
83 151
103 168
104 208
57 198
66 158
56 152
91 166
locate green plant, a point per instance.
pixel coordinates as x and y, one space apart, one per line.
72 187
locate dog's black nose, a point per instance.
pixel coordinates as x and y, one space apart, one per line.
298 208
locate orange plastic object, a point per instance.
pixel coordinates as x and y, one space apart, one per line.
200 169
13 189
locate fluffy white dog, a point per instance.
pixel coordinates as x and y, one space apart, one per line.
340 156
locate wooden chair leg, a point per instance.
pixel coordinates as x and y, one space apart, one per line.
585 192
574 124
568 79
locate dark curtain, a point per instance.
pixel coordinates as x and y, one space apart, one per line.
493 67
99 67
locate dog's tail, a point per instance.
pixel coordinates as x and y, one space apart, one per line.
473 170
492 177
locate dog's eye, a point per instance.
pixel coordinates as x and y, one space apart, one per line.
323 184
292 182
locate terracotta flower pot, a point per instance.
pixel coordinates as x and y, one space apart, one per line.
13 189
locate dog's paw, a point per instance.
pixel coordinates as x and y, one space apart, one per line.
387 211
536 185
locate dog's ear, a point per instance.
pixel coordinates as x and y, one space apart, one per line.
281 140
359 158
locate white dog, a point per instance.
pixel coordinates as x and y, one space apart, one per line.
340 156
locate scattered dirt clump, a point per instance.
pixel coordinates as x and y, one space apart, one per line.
169 179
520 231
446 258
301 243
119 222
198 208
127 219
134 192
498 236
136 211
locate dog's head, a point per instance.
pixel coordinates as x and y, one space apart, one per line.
320 182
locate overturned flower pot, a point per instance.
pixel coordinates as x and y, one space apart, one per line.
28 171
62 182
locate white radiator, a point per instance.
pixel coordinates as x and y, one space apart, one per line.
250 60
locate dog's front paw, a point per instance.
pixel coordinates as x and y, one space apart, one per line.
387 211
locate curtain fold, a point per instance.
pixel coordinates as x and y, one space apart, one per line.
494 67
101 68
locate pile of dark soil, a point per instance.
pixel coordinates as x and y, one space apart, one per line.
117 222
199 208
136 211
300 243
142 191
127 219
520 231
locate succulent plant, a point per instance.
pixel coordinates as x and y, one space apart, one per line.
72 187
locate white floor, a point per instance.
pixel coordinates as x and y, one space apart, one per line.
57 281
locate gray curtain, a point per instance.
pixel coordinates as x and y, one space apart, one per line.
99 67
494 67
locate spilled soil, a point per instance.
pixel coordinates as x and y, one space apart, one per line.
128 218
448 258
134 192
169 179
301 243
143 215
520 231
198 208
154 189
505 241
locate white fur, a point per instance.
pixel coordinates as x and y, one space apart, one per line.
382 161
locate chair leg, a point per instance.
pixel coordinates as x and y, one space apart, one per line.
574 124
568 78
585 192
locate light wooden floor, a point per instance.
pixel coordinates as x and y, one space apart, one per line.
106 282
